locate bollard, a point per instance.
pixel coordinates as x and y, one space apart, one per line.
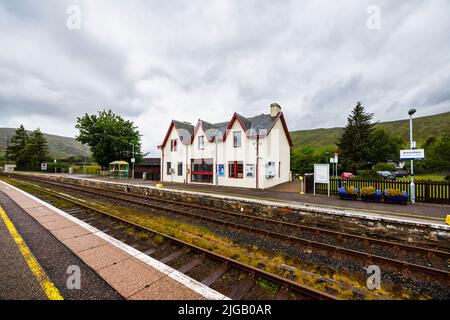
302 185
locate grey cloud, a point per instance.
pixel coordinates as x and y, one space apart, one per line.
154 61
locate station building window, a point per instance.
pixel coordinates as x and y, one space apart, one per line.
169 168
202 170
173 145
237 139
236 169
201 142
180 168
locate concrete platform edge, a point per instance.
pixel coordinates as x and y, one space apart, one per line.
190 283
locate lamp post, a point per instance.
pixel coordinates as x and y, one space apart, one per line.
412 186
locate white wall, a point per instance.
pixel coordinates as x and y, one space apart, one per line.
275 147
246 153
174 157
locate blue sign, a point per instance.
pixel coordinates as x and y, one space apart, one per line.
221 170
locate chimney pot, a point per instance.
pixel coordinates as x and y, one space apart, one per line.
274 109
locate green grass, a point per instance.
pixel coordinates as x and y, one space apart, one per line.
424 127
433 177
59 147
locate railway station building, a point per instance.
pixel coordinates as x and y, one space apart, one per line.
247 152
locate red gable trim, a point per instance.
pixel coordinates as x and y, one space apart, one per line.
286 131
172 124
204 131
230 125
280 116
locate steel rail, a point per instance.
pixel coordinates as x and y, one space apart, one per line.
283 282
337 249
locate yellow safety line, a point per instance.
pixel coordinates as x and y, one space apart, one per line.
49 288
313 204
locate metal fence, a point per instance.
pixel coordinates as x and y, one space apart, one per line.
426 190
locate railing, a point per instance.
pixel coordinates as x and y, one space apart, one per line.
426 190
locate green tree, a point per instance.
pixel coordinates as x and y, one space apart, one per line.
35 151
354 144
17 143
383 146
109 137
437 156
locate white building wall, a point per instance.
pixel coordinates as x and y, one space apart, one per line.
174 157
246 153
275 147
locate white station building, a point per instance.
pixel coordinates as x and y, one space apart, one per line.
243 152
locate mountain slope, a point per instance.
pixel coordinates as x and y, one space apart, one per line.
59 147
424 127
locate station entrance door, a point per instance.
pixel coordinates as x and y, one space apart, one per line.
202 170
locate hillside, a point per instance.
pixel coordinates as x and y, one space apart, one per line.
424 127
59 147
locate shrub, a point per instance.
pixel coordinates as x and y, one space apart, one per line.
447 177
382 166
350 190
368 174
368 191
394 192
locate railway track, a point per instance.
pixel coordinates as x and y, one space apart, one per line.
287 231
174 249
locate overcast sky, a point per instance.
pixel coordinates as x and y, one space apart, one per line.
153 61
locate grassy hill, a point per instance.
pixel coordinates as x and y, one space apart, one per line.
59 147
424 127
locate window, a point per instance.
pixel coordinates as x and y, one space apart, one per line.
201 142
173 145
202 170
236 169
169 168
180 168
237 139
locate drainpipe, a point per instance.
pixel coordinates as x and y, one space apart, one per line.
162 164
186 166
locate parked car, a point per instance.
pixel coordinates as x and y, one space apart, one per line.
347 175
386 175
401 173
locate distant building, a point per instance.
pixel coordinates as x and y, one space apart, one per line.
151 167
243 152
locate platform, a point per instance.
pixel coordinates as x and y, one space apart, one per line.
109 268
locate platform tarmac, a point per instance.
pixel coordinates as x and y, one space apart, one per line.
41 246
287 195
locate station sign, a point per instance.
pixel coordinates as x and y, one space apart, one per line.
133 160
412 154
44 166
321 173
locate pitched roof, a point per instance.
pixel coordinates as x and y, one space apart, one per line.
185 131
259 125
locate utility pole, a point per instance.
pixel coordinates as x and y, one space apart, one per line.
412 186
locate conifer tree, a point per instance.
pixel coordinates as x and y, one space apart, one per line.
354 144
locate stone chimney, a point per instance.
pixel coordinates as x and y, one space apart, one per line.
274 109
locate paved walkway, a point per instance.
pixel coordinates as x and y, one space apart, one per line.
110 269
24 281
288 193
